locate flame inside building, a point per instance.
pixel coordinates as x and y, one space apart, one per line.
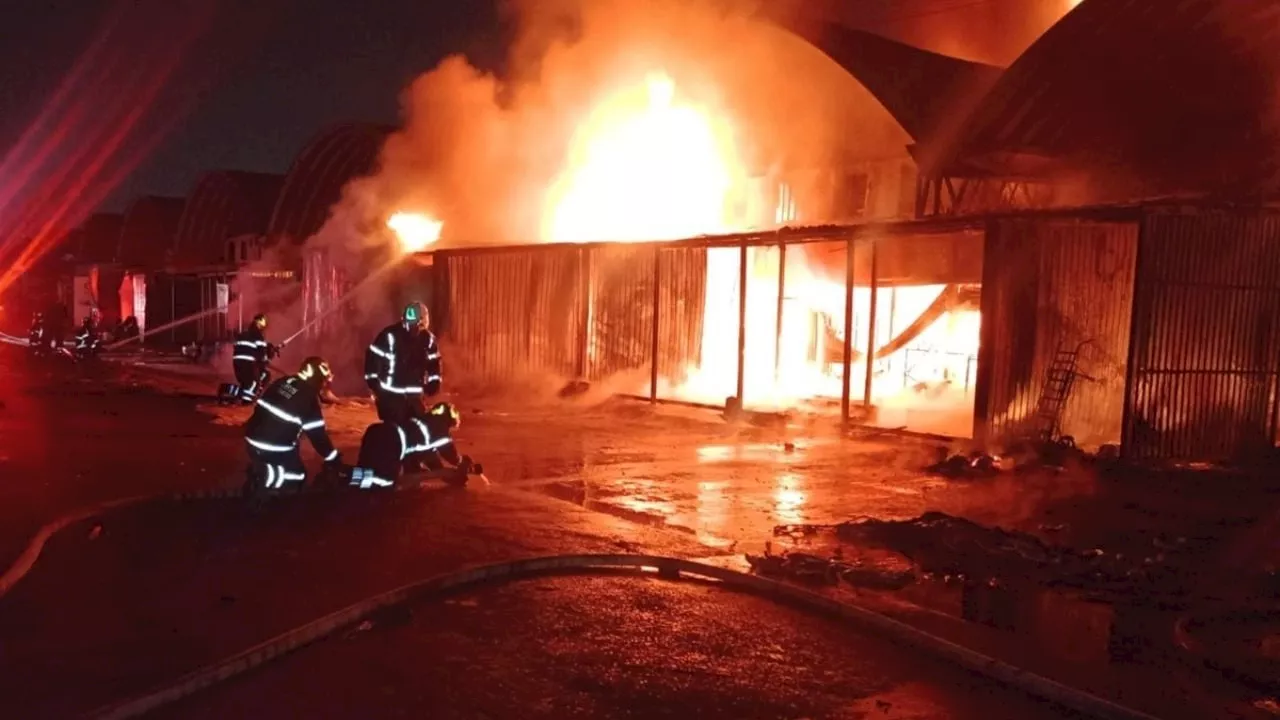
648 164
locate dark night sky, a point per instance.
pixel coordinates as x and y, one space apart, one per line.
255 81
259 80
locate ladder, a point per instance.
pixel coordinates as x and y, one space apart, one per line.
1058 379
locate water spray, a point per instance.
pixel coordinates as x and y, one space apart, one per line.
150 331
348 295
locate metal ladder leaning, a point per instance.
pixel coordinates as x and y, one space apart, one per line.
1058 380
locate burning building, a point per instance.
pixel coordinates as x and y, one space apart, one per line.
1016 302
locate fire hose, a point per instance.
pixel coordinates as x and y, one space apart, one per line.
666 567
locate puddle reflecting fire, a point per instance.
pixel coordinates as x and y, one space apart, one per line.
789 499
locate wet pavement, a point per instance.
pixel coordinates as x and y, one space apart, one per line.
161 590
610 647
72 436
677 479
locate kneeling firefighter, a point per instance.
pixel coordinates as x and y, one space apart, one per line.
249 360
426 438
286 410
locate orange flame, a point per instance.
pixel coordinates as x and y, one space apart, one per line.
415 231
650 165
645 167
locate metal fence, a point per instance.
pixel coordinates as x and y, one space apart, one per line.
1205 356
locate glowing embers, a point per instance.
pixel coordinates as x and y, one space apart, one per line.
645 165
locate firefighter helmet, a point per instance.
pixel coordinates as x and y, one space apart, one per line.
260 321
315 370
415 315
447 410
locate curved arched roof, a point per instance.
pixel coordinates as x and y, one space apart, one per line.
150 226
1174 93
922 90
224 204
316 178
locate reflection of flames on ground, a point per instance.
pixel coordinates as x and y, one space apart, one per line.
648 164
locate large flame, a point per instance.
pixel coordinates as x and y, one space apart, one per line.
650 165
645 166
415 232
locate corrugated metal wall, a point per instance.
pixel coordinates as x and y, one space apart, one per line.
1206 337
517 311
575 311
621 309
683 273
1051 285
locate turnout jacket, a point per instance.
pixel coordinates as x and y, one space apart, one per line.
251 346
289 408
87 336
403 362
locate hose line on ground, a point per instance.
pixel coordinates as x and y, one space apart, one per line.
671 568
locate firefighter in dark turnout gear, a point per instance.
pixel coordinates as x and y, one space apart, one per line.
430 437
249 359
426 438
88 339
402 365
286 410
36 336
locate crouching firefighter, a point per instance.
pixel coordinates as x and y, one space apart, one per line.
425 441
88 339
286 410
249 360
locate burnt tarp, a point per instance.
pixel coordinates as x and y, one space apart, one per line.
1206 345
1053 285
516 311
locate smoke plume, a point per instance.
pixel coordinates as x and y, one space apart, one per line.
484 153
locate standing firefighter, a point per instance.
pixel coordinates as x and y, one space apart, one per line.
36 337
250 357
286 410
88 338
402 365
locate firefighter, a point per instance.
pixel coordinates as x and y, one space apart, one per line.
426 439
286 410
402 365
431 438
250 357
36 336
88 339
